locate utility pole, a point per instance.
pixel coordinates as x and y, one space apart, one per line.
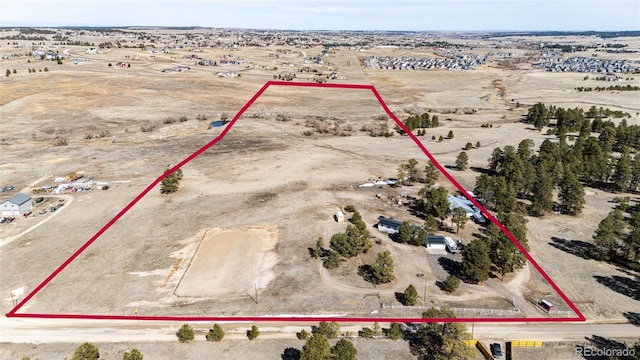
424 298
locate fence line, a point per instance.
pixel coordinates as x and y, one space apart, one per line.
457 310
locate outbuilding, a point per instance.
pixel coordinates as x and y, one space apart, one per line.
389 226
18 204
435 242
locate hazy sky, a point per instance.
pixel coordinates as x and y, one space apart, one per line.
456 15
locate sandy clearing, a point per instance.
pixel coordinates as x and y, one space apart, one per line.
230 262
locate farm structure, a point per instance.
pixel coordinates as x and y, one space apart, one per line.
16 205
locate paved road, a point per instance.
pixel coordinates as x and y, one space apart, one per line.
76 331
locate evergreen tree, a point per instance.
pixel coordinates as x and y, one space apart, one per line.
185 333
215 334
462 160
253 333
542 200
412 170
382 268
395 331
344 350
135 354
476 263
436 202
86 351
571 194
436 341
316 348
451 284
459 217
635 173
410 296
431 174
604 238
623 175
405 232
330 330
430 225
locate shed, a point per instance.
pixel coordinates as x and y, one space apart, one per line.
390 226
435 242
16 205
338 216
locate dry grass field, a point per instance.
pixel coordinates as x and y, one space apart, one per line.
249 207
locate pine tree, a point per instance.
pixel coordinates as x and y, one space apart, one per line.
462 160
316 348
410 295
623 174
431 174
459 217
382 268
253 333
344 350
542 200
571 194
604 238
476 263
185 333
405 232
395 331
430 225
215 334
86 351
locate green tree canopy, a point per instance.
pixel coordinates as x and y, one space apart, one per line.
410 296
344 350
460 218
382 268
329 330
185 333
316 348
215 334
476 263
462 160
135 354
405 232
571 194
253 333
86 351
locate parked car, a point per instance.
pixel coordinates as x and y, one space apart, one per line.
496 350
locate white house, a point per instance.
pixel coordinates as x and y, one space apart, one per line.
390 226
18 204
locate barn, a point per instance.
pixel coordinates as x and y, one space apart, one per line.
18 204
435 242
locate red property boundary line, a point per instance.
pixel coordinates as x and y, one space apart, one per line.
13 313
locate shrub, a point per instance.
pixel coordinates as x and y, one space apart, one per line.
185 333
451 284
253 333
350 208
216 333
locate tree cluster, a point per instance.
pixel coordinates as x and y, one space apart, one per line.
431 341
618 235
422 121
354 241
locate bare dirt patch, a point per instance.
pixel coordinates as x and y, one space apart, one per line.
230 262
